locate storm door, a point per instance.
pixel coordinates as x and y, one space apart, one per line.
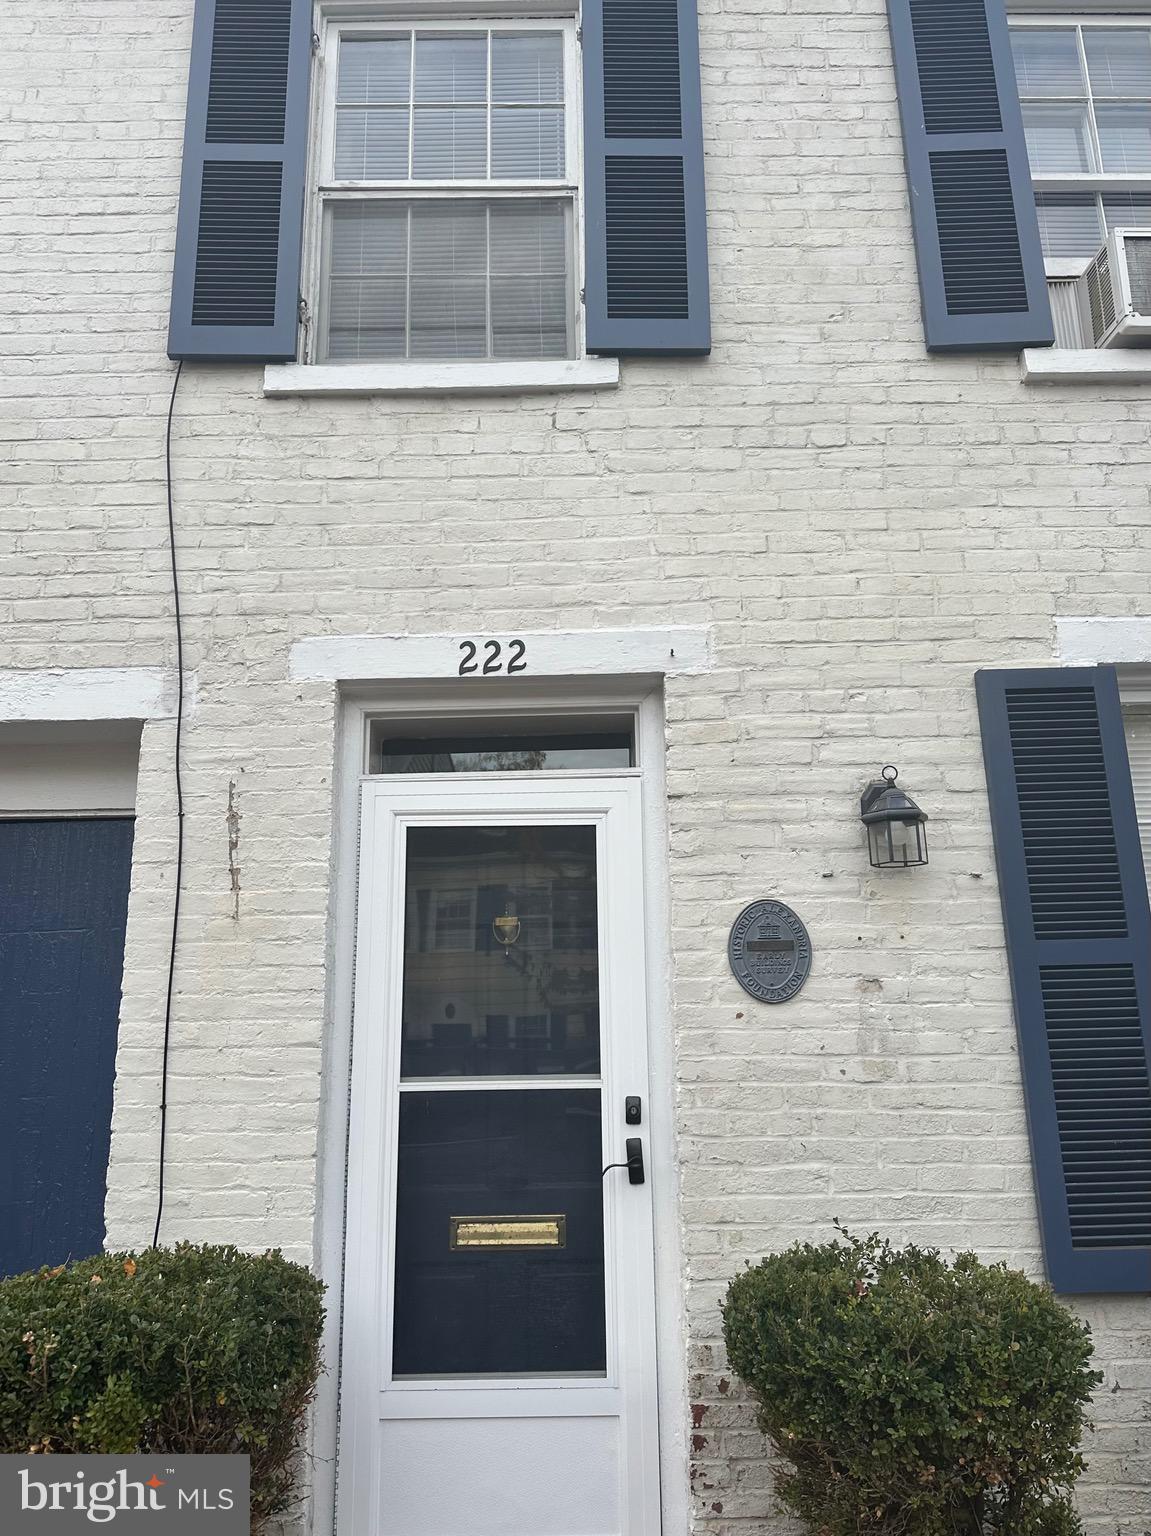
499 1368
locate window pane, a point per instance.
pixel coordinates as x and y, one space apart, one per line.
1127 208
366 294
365 318
1069 223
451 69
449 280
529 279
1047 61
1058 139
375 72
501 754
529 317
369 239
527 143
1125 138
527 69
450 145
372 143
412 279
1118 60
1138 723
449 318
501 966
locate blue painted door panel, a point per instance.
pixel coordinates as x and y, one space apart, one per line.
63 906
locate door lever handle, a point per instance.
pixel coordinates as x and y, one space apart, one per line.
633 1146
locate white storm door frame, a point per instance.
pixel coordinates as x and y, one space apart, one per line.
629 1392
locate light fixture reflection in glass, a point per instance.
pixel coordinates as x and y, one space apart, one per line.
506 929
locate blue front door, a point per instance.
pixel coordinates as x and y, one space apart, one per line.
63 906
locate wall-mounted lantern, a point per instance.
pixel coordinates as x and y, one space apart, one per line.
896 831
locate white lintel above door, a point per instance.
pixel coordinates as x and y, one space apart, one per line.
483 656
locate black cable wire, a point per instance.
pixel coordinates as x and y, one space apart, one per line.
179 809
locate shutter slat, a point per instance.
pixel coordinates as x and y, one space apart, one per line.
1078 931
235 284
644 220
981 274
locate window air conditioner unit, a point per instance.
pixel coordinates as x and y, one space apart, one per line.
1118 285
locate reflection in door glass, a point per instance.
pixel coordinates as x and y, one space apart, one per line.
503 754
499 1234
501 964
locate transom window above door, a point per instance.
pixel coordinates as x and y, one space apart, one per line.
502 744
1085 90
448 196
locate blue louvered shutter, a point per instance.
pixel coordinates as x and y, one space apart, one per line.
236 281
645 227
1078 934
981 275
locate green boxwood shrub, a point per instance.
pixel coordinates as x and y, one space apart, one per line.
188 1349
905 1395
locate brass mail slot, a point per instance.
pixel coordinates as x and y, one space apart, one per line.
508 1231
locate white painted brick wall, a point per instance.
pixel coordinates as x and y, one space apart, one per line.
863 526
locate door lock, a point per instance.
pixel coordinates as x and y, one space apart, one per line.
632 1110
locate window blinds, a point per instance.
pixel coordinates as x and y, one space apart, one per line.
1137 722
449 278
448 109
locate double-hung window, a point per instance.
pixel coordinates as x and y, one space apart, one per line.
1085 90
448 198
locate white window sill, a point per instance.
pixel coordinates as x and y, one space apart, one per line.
1101 365
511 378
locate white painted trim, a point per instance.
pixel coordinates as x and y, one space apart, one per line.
284 379
1042 13
88 693
452 698
1094 642
670 1310
547 653
1099 365
1066 269
68 767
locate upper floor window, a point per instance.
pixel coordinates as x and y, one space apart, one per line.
448 198
426 185
1085 90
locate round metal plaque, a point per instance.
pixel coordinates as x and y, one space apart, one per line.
769 951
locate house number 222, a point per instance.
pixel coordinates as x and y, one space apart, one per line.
493 658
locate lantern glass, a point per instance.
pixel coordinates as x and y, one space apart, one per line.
897 844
